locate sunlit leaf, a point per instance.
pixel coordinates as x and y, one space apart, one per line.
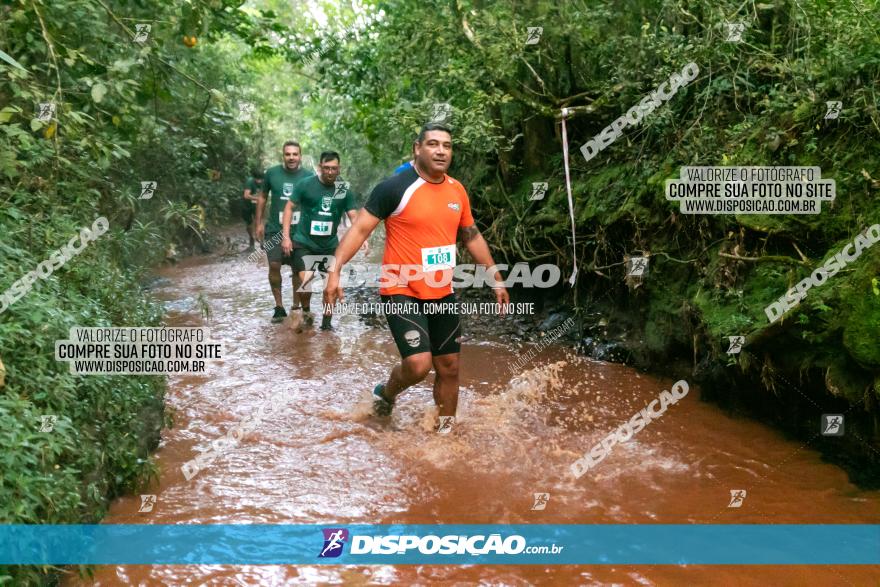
5 57
98 92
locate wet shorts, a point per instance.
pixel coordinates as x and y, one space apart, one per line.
419 326
307 260
272 246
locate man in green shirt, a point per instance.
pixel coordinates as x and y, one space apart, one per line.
279 181
252 187
321 201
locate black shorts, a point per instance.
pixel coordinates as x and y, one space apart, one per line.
419 326
307 260
272 246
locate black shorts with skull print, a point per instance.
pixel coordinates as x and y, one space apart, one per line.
421 326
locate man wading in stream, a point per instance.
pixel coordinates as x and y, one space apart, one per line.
279 181
425 213
321 201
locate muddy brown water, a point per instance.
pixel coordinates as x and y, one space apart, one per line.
320 460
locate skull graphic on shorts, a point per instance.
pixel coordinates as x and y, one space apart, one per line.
413 338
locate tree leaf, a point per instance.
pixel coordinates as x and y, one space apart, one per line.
6 114
11 61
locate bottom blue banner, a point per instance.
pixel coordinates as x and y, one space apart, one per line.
357 544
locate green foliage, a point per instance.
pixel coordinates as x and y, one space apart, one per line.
125 112
758 102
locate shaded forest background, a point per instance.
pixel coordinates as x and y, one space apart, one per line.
361 78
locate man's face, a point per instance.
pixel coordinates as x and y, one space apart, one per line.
292 158
434 153
329 171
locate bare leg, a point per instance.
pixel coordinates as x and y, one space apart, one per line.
446 383
410 371
305 297
275 282
296 281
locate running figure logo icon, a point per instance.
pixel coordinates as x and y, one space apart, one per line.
246 111
341 189
736 344
737 496
446 424
47 423
334 540
834 108
346 345
539 188
735 31
147 503
442 112
534 34
142 31
46 111
541 500
148 188
637 266
318 266
832 424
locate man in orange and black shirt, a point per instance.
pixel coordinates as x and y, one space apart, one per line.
425 212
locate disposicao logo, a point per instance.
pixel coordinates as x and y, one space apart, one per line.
334 540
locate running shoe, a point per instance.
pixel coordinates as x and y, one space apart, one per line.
446 424
308 319
326 323
279 315
381 406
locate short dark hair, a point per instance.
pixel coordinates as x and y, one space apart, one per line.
329 156
257 173
291 144
432 126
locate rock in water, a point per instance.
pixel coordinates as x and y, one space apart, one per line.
552 322
612 352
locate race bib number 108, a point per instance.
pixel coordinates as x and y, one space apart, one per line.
437 258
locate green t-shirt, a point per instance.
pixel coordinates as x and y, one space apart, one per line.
279 183
322 207
251 184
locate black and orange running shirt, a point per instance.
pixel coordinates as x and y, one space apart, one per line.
421 226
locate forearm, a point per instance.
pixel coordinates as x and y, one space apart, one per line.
479 250
261 204
349 245
288 215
